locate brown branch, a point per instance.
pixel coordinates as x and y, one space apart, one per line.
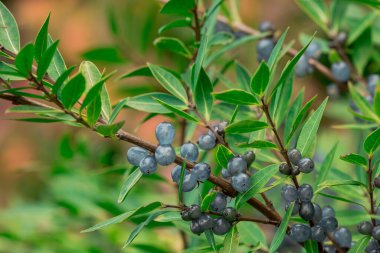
371 189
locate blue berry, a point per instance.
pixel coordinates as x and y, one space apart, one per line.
332 90
296 207
300 233
343 237
176 173
317 213
284 169
329 223
305 193
194 211
329 249
313 50
148 165
206 141
306 165
221 226
372 245
318 233
307 211
189 151
294 156
365 228
226 174
196 228
189 183
303 67
206 221
264 48
249 157
372 82
230 214
376 233
341 71
237 165
165 133
165 155
202 171
289 193
328 211
219 203
135 155
241 182
185 215
295 170
266 26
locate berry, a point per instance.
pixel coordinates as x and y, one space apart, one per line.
148 165
284 169
300 233
206 141
226 174
307 211
332 90
219 203
372 81
189 151
295 171
294 156
264 49
343 237
206 222
313 50
185 215
341 71
303 67
165 155
189 183
266 26
135 155
201 171
196 228
221 226
329 249
289 193
318 233
219 128
377 182
365 228
176 173
329 223
372 245
241 182
296 207
165 133
237 165
305 192
230 213
194 211
306 165
341 38
376 233
317 213
328 211
249 157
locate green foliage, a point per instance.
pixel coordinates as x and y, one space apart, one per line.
9 34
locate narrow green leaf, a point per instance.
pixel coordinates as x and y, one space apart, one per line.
24 60
376 102
372 142
360 245
311 246
206 202
260 79
128 184
109 130
326 165
175 24
245 126
333 183
362 104
41 40
178 7
355 159
169 82
117 110
236 97
284 94
9 34
169 217
94 109
351 200
177 111
357 30
291 116
46 60
104 54
211 240
57 66
142 71
92 94
30 109
180 183
281 231
61 79
72 91
259 145
198 64
203 98
223 155
231 241
275 55
173 45
317 11
242 77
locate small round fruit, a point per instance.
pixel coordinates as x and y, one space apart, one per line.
341 71
313 50
303 67
135 155
196 228
376 233
329 223
284 169
206 221
221 226
300 233
296 207
377 182
230 214
194 211
307 211
176 173
165 133
266 26
226 174
372 82
237 165
185 215
341 37
289 193
294 156
295 171
189 151
219 203
332 90
165 155
189 183
343 237
241 182
372 245
264 48
201 171
206 141
305 193
148 165
365 228
317 213
306 165
249 157
329 249
328 211
318 233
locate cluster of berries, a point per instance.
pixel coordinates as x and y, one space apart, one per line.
367 228
300 164
303 66
201 221
265 45
237 171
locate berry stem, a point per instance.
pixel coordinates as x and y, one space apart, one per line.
371 189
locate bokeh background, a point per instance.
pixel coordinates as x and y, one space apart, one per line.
57 180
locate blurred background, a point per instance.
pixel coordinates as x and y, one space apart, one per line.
57 180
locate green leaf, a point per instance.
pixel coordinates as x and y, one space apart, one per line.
362 104
198 64
317 11
360 245
177 111
175 24
284 95
231 241
147 103
223 155
211 240
338 10
259 145
30 109
376 102
169 82
104 54
117 110
169 217
206 202
178 7
109 130
72 91
203 98
61 79
372 142
46 60
258 180
142 71
173 45
41 40
245 126
57 66
362 51
326 165
128 184
124 216
309 130
275 55
355 159
281 231
311 246
260 79
94 109
92 94
180 183
351 201
332 183
242 77
357 30
9 34
24 60
237 97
